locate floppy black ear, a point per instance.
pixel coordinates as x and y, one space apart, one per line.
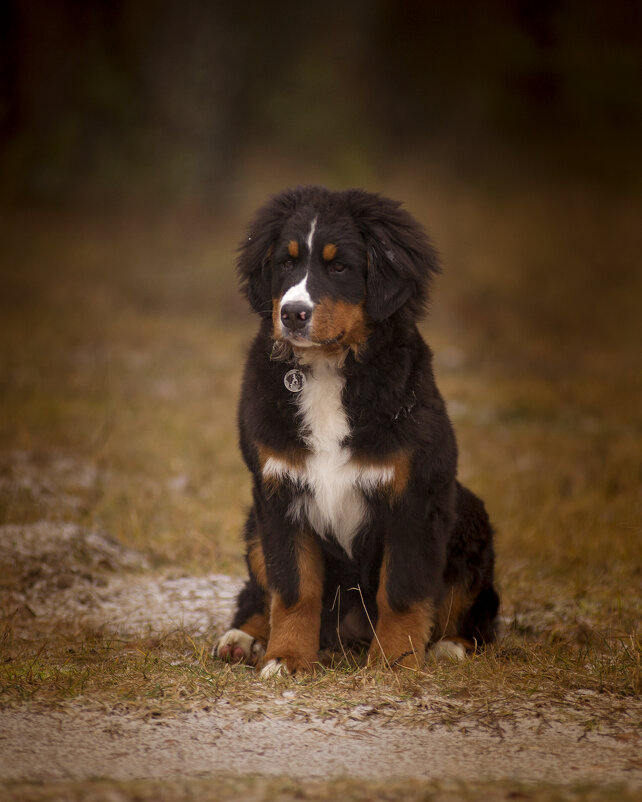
401 260
255 252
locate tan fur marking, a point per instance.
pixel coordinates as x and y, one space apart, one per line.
454 604
294 631
398 462
400 638
293 248
277 330
329 251
463 641
402 473
294 458
256 558
257 626
332 318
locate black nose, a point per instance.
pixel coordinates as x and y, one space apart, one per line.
295 316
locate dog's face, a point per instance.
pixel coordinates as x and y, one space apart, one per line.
328 266
318 282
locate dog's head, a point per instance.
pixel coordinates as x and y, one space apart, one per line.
328 266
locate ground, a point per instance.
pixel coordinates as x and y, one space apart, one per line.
122 497
226 725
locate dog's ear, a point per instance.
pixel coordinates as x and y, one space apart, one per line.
401 260
255 252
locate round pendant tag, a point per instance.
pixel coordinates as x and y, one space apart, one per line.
294 380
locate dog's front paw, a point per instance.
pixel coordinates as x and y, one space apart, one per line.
285 666
274 668
236 646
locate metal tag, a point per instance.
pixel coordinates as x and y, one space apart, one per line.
294 380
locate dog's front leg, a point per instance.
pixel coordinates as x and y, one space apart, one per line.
295 610
410 579
403 627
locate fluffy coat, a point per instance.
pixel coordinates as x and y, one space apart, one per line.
359 530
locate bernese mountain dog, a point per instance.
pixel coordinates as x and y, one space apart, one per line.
359 531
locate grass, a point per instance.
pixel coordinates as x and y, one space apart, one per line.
122 344
163 675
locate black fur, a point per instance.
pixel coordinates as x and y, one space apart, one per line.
436 533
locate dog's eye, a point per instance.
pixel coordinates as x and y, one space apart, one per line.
336 267
288 264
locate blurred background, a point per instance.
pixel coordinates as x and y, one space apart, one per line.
136 138
121 100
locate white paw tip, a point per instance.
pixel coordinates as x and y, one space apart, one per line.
273 668
447 650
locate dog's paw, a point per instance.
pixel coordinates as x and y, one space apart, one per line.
237 646
274 668
286 666
447 650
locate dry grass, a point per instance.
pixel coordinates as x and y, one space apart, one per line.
122 347
120 353
159 676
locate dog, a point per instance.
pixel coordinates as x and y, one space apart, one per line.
359 531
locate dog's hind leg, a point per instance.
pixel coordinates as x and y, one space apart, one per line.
467 613
246 640
465 621
479 623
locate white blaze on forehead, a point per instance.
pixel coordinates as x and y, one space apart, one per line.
313 228
298 293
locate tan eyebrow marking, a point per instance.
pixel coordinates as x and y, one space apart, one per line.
293 248
329 251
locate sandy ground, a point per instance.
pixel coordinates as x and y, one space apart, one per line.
88 743
76 576
91 580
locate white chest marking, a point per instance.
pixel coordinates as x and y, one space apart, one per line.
333 503
331 484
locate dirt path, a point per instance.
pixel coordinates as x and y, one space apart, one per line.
69 575
86 743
